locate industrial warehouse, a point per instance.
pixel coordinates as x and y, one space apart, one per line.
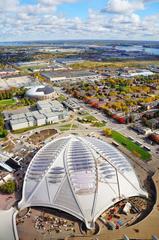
63 76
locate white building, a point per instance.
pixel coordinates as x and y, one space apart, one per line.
71 76
51 117
48 112
69 61
19 123
40 118
31 121
136 73
82 176
41 92
72 104
47 105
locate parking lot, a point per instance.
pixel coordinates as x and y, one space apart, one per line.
19 81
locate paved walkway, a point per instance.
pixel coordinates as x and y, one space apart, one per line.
7 201
7 221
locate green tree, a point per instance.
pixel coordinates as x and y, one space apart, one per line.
8 187
107 132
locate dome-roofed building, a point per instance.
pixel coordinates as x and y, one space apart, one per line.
41 92
82 176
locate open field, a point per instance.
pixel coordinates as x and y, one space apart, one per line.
89 119
131 146
41 136
7 102
23 130
61 98
68 127
27 68
3 133
113 64
19 81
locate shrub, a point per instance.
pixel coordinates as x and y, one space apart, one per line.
8 187
108 132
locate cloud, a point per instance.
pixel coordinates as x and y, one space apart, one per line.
123 6
55 2
8 5
43 21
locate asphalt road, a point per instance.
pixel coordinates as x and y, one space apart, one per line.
120 128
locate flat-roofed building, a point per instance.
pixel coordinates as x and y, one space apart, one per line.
31 121
69 61
72 104
31 63
54 106
51 117
40 119
71 76
18 116
3 159
49 112
19 123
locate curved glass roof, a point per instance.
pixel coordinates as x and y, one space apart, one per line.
81 168
80 175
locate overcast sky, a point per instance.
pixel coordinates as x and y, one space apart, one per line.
79 19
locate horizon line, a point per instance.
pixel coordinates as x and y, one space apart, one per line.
62 40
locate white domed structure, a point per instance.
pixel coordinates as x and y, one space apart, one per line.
41 92
82 176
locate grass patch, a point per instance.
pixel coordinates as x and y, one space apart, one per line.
91 119
38 67
99 124
61 98
26 67
7 102
3 133
131 146
62 128
8 187
88 119
113 64
68 127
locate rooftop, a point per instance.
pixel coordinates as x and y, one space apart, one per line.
74 174
68 74
40 90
